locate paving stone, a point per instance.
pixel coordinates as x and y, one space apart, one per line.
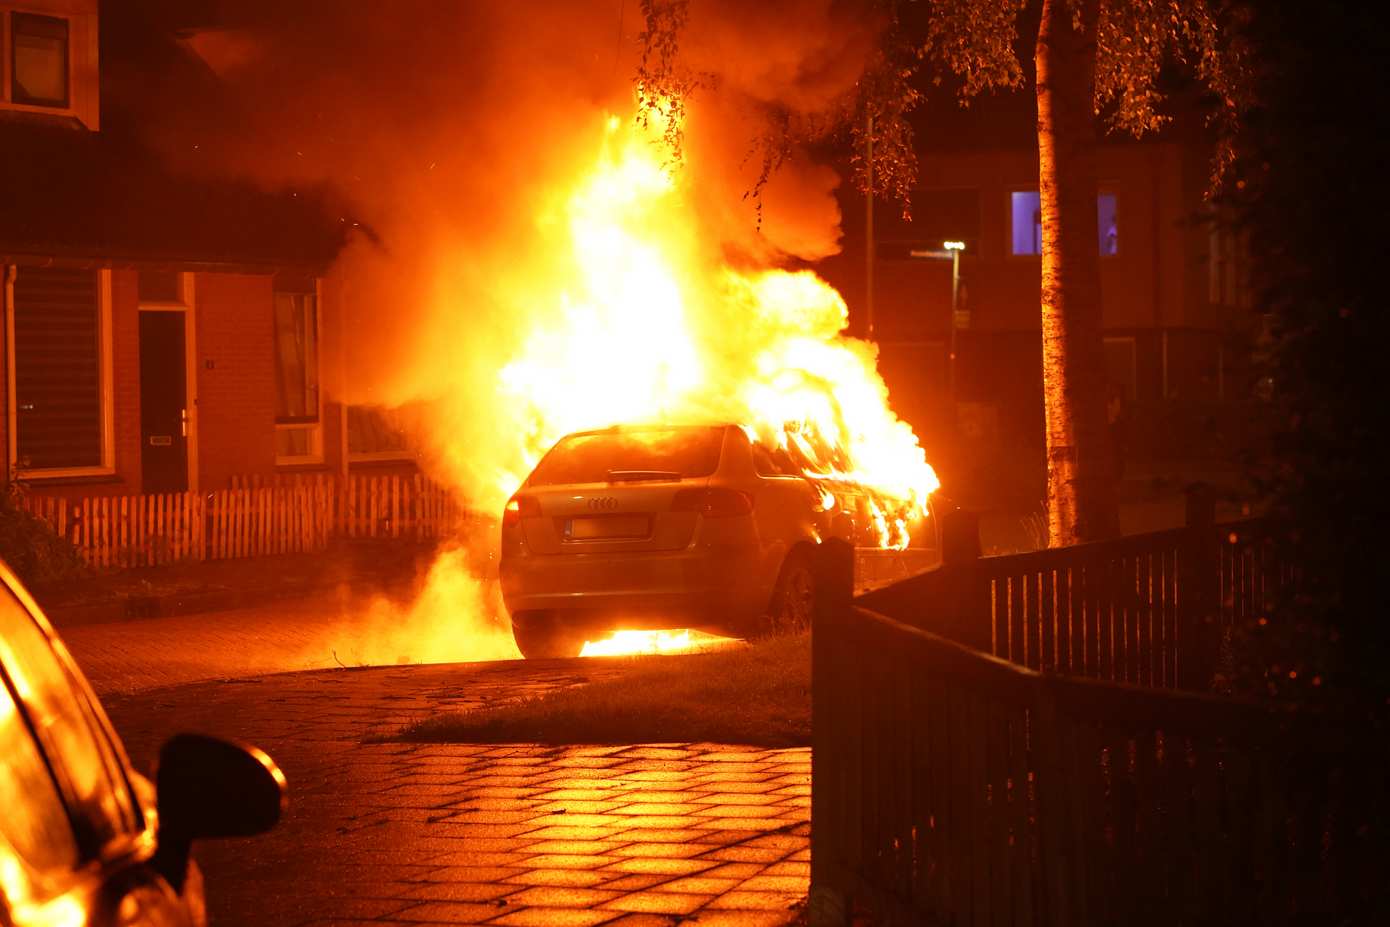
740 823
448 912
462 891
569 861
764 901
796 885
569 847
654 835
672 850
575 878
469 874
662 865
747 854
648 920
634 881
738 871
791 868
713 918
553 896
567 832
654 902
699 885
555 917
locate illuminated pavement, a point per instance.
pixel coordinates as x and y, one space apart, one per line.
697 834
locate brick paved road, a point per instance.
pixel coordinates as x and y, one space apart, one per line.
516 834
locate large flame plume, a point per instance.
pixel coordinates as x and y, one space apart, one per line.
646 323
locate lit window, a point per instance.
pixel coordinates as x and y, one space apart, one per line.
61 397
39 60
297 426
1025 214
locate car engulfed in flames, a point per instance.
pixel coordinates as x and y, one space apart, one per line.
692 527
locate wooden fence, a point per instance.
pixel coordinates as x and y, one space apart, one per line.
954 787
1147 609
251 518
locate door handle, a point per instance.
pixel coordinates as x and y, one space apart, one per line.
183 422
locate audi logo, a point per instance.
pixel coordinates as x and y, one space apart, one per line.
602 503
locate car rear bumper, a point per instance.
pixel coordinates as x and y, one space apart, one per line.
701 587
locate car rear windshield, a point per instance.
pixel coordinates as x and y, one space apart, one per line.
656 453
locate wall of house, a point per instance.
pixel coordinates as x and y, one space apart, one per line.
1149 282
236 377
125 379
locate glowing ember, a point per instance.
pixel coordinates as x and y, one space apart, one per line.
625 643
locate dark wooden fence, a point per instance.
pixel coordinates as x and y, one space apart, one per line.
955 787
1148 609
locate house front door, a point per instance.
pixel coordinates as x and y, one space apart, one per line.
163 402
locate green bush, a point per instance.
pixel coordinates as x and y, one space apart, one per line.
32 549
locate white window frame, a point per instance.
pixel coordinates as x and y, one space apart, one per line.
315 430
187 304
108 418
83 81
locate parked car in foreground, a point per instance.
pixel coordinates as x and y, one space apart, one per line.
85 841
657 527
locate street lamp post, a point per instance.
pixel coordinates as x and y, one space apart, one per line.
950 250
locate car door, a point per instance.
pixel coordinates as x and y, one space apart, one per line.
73 835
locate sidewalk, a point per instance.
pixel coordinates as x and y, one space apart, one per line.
509 834
357 567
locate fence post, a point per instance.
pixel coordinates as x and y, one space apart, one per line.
1199 591
828 905
1055 789
966 606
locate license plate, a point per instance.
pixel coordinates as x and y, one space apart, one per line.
608 526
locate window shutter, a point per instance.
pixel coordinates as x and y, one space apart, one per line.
57 333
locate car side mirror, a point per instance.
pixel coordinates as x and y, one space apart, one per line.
208 787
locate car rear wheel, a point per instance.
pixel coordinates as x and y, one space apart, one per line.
793 598
540 636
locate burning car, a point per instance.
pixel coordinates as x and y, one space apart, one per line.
657 527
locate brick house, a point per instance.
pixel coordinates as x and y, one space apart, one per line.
162 332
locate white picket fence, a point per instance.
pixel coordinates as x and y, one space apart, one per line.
252 518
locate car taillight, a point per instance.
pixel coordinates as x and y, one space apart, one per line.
713 503
517 508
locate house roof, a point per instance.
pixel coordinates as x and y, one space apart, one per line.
112 197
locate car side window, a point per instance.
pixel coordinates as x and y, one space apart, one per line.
768 463
34 822
86 768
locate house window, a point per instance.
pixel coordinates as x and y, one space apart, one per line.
60 371
1228 268
378 433
298 409
1025 223
39 60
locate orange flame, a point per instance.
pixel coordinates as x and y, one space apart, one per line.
651 324
627 643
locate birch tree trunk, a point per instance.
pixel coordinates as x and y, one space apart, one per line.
1082 503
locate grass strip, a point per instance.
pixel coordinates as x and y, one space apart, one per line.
758 695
